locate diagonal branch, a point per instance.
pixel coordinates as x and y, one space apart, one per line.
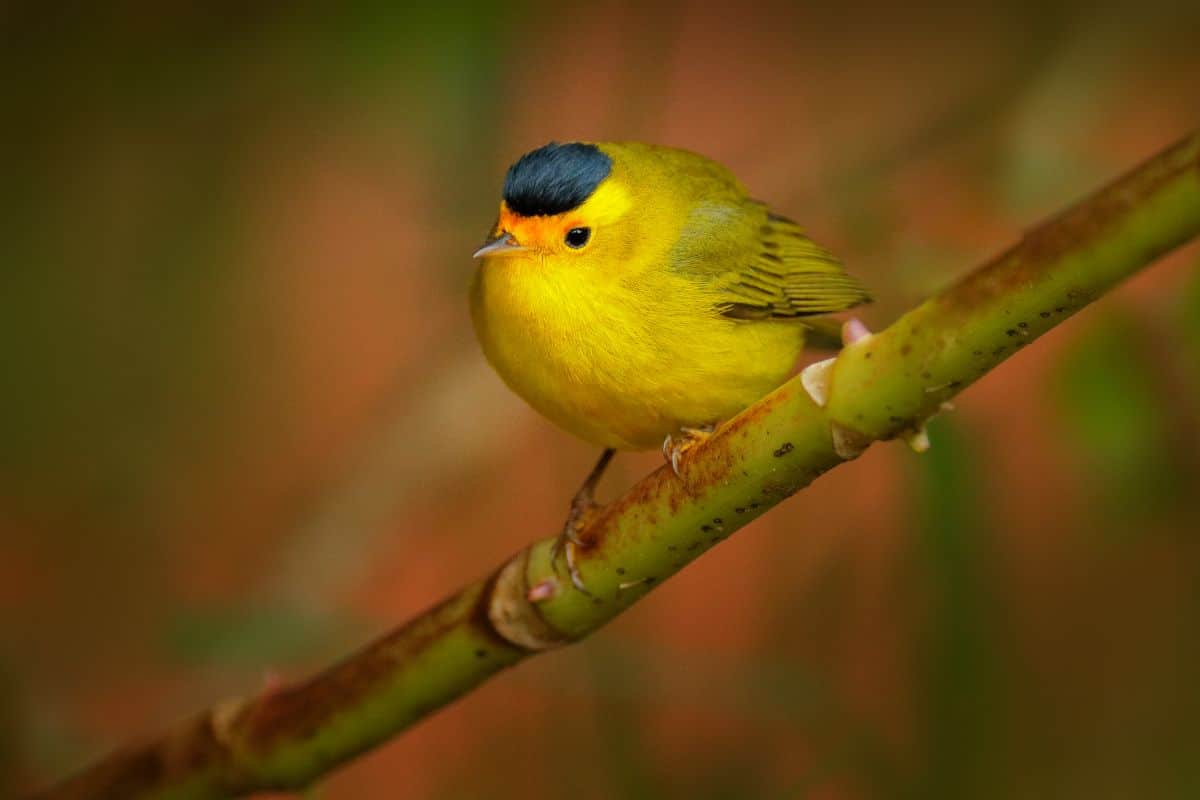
880 387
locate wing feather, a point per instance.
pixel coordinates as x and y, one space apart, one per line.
762 265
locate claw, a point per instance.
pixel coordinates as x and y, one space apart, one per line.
569 539
573 568
671 453
582 505
673 450
566 543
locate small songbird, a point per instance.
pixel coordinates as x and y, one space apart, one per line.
637 296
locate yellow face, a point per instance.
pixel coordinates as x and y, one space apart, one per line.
596 231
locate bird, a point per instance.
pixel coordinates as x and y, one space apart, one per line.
637 296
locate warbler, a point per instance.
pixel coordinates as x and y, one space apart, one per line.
637 296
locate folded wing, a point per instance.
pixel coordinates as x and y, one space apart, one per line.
762 265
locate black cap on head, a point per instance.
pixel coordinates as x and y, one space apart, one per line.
555 178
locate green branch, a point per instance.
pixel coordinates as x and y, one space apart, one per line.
880 387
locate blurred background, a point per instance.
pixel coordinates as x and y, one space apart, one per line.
245 425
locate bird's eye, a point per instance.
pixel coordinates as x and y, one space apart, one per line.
578 237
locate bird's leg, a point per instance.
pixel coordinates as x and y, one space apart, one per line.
585 499
674 447
583 502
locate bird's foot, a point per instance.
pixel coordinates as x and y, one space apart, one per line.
674 447
582 507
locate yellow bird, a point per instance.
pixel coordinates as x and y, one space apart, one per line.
637 296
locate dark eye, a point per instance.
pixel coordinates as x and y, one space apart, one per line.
578 237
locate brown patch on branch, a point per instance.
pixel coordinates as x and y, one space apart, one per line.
300 710
1074 230
192 748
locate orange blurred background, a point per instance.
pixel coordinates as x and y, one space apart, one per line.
246 427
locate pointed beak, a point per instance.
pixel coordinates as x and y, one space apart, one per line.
504 243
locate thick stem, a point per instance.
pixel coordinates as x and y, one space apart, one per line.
879 387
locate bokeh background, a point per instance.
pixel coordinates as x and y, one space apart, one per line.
245 426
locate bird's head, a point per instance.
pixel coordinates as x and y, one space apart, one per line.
559 202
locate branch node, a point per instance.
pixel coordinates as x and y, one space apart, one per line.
854 331
543 591
917 438
847 442
512 613
815 380
223 716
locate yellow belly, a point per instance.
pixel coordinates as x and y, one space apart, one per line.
624 367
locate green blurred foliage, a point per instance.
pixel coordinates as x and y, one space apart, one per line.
122 224
243 638
961 670
1122 414
1189 334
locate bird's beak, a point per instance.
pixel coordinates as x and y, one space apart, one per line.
504 243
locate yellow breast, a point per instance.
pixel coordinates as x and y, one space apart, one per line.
623 363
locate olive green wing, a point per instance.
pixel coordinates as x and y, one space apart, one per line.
781 274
